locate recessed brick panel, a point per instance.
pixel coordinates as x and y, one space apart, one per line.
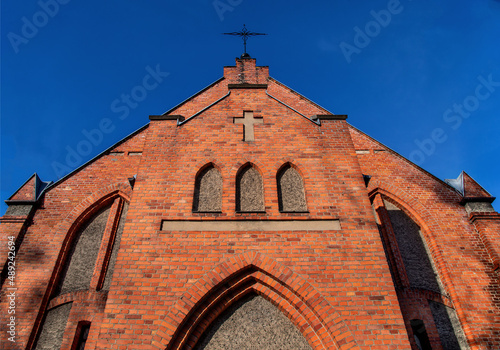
18 210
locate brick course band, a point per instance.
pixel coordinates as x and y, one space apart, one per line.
254 225
166 117
247 86
330 117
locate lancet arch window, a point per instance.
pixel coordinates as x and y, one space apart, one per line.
291 194
84 274
249 190
208 190
421 291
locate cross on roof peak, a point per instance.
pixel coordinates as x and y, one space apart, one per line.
245 34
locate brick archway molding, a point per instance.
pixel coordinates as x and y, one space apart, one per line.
253 272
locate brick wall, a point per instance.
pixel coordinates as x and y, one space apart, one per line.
457 250
346 269
62 210
334 285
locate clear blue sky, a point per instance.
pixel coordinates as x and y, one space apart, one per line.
404 71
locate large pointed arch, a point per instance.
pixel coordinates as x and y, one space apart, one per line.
253 272
431 230
67 228
82 213
418 213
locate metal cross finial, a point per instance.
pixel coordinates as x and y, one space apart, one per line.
244 33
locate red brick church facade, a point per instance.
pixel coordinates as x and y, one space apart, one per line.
250 189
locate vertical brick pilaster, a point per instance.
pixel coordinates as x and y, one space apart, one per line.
487 225
10 227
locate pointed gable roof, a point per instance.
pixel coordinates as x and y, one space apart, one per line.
30 191
246 75
472 188
469 188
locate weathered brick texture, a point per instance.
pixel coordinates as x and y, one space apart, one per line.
460 250
342 289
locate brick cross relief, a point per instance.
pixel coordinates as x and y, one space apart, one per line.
248 122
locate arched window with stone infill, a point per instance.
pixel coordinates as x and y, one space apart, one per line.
418 265
421 292
80 262
208 190
252 323
291 194
88 261
249 190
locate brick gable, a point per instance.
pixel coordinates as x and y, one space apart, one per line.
334 265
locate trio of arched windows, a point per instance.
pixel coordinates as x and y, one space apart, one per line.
249 194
